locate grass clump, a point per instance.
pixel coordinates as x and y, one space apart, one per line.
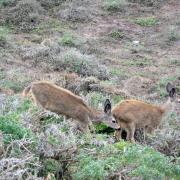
148 21
4 31
115 5
173 34
67 40
116 35
16 87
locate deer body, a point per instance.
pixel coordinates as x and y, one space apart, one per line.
63 101
132 114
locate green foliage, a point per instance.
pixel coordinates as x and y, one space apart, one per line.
96 98
173 34
50 166
15 86
11 128
148 21
115 5
5 2
4 31
144 162
67 40
116 35
102 128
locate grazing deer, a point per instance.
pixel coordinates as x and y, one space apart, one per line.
132 114
62 101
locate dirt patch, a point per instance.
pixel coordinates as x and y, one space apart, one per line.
138 86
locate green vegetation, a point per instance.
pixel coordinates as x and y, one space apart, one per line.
15 86
5 2
12 128
115 5
148 21
67 40
144 162
138 62
116 35
4 31
10 120
173 34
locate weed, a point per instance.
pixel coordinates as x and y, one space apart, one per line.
173 34
115 5
148 21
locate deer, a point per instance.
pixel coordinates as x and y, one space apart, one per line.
62 101
132 114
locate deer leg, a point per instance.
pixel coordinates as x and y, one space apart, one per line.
130 132
117 134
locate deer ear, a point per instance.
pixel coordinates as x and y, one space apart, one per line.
172 92
169 87
107 106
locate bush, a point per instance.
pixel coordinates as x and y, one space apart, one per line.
131 159
115 5
148 21
12 129
25 16
86 65
3 35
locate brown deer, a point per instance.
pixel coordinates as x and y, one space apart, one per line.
132 114
62 101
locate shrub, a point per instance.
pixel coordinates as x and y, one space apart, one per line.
3 35
67 39
132 159
116 35
25 16
11 128
115 5
86 65
148 21
173 34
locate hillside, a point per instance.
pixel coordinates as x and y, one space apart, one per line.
98 49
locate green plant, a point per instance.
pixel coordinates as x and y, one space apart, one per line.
12 129
5 2
96 99
102 128
15 86
144 162
67 40
4 31
173 34
116 35
148 21
115 5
